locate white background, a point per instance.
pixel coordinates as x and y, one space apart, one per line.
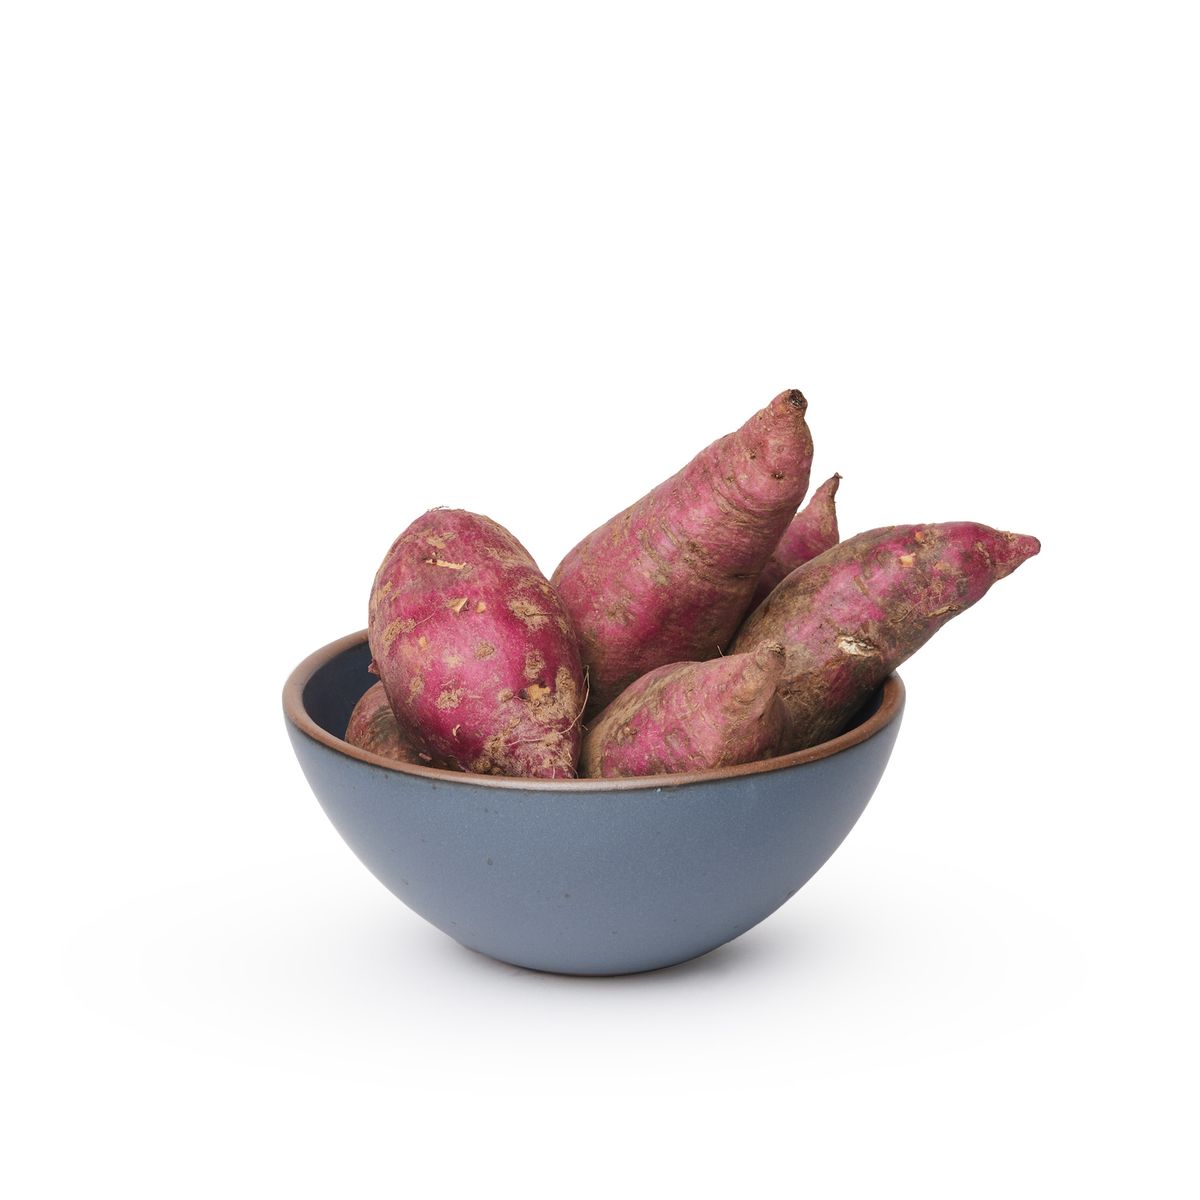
277 277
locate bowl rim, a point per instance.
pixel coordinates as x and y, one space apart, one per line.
890 707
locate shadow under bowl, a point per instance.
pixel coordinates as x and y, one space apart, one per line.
584 876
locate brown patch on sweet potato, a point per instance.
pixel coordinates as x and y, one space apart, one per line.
564 685
528 613
535 693
497 750
619 611
535 663
452 658
395 629
848 644
416 685
441 562
439 540
484 650
480 607
507 558
450 697
457 604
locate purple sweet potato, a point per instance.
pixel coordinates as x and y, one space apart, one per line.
850 616
373 727
668 579
812 531
691 717
476 650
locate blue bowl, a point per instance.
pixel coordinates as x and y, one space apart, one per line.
584 876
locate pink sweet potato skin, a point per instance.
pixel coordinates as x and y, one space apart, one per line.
475 649
373 727
812 531
668 579
691 717
850 616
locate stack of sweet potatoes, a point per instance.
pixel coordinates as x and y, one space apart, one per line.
706 625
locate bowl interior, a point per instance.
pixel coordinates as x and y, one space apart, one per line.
336 687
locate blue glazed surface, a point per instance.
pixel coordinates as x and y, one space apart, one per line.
583 878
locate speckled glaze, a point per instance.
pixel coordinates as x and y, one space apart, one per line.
585 876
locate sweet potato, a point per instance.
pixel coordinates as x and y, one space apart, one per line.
850 616
475 649
373 727
690 717
669 578
812 531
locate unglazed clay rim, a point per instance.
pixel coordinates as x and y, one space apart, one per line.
293 707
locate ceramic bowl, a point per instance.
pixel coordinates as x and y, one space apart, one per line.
584 876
